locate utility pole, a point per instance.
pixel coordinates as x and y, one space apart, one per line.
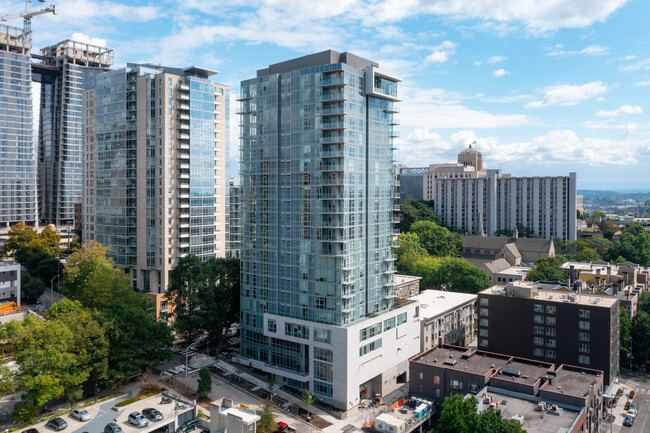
631 356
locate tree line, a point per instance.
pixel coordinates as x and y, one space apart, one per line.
431 251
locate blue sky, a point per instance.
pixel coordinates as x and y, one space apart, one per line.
543 86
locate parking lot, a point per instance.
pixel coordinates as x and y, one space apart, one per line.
103 414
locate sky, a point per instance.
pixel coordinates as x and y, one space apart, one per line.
544 87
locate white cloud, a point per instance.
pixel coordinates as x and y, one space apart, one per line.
621 111
591 50
423 147
568 94
537 16
70 10
629 57
500 72
643 83
437 108
81 37
641 64
496 59
442 52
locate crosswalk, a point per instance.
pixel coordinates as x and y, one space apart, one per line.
187 352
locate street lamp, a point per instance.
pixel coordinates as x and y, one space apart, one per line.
52 289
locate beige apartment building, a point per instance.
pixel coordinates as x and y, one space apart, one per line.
156 146
468 197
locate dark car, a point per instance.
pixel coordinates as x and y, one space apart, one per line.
628 421
30 430
189 425
634 406
112 428
57 424
152 414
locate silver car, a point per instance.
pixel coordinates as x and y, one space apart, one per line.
81 414
138 420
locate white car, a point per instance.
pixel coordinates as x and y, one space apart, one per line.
81 414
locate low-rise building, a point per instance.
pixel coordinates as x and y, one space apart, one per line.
553 325
10 282
226 418
445 318
546 396
406 286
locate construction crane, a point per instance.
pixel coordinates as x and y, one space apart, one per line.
28 14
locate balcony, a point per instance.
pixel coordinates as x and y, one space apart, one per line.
184 175
333 111
394 122
185 107
393 134
332 82
334 96
332 125
333 167
333 139
184 234
183 145
183 116
183 125
184 244
183 97
184 87
183 136
391 109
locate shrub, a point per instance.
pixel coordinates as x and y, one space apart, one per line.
145 393
627 405
632 394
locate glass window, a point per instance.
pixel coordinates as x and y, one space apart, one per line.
583 347
456 384
583 324
538 319
323 354
584 314
550 342
323 335
483 332
550 353
550 320
582 359
389 324
483 322
273 327
538 341
550 309
539 351
401 319
484 301
539 308
483 311
539 330
583 336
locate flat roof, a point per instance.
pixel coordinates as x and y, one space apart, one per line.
516 270
534 420
506 367
403 279
247 417
573 381
436 302
530 290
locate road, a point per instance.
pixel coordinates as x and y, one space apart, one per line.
642 397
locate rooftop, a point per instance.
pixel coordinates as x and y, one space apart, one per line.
405 279
534 420
516 270
327 57
436 302
560 294
575 381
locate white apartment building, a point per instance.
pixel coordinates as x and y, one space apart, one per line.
468 199
10 282
445 318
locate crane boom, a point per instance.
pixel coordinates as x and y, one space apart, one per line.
28 14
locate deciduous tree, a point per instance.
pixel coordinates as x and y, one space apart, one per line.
205 383
548 269
82 264
633 245
266 424
437 240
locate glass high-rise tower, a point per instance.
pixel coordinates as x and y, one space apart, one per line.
317 298
64 69
17 147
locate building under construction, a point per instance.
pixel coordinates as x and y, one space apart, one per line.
63 70
17 152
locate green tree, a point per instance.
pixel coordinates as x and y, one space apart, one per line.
607 229
48 240
633 245
548 269
459 416
409 251
33 288
205 296
416 210
450 274
266 424
19 236
437 240
6 380
625 327
24 412
82 264
639 334
204 384
644 302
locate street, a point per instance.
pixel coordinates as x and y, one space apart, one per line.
642 385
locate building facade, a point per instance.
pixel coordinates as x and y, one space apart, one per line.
557 326
318 306
446 318
64 69
10 282
18 200
234 221
466 197
411 181
155 168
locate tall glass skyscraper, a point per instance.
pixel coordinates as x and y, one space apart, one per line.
64 69
155 169
317 227
17 147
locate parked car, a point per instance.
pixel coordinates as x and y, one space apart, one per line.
57 424
628 421
138 420
152 414
634 407
189 425
113 428
30 430
81 414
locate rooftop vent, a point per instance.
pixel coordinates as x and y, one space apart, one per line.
450 361
511 371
